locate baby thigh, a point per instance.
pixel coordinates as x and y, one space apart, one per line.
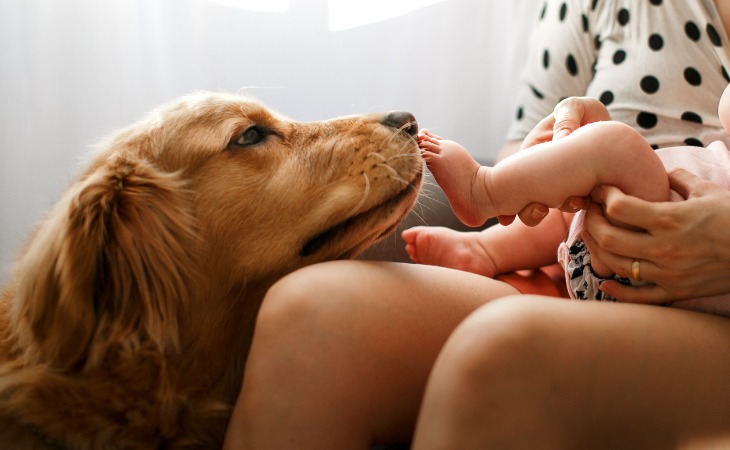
342 352
535 372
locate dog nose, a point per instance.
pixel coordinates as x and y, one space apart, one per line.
403 121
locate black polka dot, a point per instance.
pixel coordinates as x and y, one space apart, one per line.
693 142
713 35
563 11
571 65
544 9
520 113
606 98
546 59
654 147
656 42
655 2
537 93
692 76
649 84
597 42
646 120
623 16
584 19
593 6
692 31
619 56
689 116
725 74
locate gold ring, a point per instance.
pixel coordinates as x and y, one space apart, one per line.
635 270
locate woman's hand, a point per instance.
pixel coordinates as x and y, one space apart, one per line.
568 115
682 247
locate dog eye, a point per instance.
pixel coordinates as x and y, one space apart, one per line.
251 136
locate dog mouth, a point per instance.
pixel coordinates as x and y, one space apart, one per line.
333 233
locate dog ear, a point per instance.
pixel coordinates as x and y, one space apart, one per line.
111 265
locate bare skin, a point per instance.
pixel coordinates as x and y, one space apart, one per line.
548 173
542 373
441 246
697 266
343 350
344 365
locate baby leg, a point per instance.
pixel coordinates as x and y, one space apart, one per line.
440 246
600 153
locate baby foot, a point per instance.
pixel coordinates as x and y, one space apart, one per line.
460 176
439 246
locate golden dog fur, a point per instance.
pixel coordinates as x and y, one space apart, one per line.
129 315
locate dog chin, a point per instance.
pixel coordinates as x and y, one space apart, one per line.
364 229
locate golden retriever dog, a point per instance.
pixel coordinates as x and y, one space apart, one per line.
129 315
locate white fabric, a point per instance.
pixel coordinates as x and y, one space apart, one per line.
642 66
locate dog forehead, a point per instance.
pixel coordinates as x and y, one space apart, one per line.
220 106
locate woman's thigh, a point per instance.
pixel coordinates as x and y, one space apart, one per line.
342 351
551 373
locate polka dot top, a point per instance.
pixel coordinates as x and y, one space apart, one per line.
657 65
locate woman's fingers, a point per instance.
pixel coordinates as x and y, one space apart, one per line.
574 112
608 240
543 132
651 294
689 185
628 210
619 262
532 214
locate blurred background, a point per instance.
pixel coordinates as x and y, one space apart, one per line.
73 71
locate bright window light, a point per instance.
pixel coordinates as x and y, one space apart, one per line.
344 14
256 5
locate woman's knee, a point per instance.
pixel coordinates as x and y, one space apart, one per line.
506 341
297 297
488 383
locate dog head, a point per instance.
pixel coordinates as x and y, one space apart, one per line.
207 195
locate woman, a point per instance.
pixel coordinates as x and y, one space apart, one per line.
343 351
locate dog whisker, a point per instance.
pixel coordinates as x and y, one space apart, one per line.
426 195
401 128
442 203
378 155
423 206
395 175
406 125
364 196
390 169
420 217
404 155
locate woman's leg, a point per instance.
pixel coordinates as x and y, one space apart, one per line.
536 372
342 351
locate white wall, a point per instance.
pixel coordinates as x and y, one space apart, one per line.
72 71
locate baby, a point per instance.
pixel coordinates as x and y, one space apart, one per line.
599 153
